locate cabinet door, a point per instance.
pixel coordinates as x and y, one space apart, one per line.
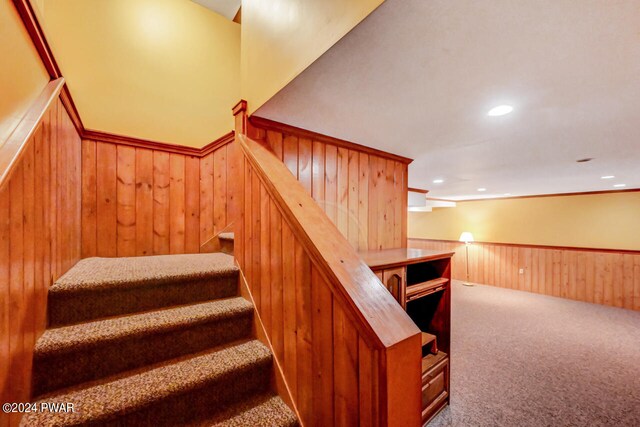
394 280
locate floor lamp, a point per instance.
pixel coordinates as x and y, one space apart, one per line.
467 238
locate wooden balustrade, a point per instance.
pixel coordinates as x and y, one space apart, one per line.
348 352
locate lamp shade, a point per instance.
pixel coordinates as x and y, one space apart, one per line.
466 237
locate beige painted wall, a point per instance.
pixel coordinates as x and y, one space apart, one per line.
164 70
280 38
22 75
610 220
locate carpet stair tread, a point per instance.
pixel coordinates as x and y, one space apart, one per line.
92 274
83 352
226 236
124 394
266 410
82 335
98 288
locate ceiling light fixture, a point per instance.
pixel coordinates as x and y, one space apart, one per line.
620 185
506 194
500 110
482 189
438 181
607 177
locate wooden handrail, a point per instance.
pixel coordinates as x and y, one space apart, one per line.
381 317
13 148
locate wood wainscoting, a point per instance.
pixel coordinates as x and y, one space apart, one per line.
362 190
604 276
348 352
140 198
39 234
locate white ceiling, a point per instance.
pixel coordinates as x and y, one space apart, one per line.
226 8
417 78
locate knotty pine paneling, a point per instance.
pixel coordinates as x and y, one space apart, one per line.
139 201
363 194
331 370
39 241
313 297
602 277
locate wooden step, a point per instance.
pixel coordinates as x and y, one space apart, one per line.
103 287
171 393
87 351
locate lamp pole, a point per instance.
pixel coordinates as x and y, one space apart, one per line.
467 238
466 246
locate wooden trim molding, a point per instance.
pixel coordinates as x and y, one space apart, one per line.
537 196
551 247
31 24
12 150
417 190
240 106
159 146
70 106
267 124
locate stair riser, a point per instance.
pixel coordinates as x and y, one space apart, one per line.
226 246
108 358
86 306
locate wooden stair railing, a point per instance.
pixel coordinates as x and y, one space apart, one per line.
12 149
348 353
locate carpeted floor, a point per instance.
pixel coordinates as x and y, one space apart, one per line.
521 359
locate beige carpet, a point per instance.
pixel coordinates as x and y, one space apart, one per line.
521 359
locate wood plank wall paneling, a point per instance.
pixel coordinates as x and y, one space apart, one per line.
139 201
334 369
301 316
602 277
39 241
363 193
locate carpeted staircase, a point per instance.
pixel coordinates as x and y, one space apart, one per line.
162 340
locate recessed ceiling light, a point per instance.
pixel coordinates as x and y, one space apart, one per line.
619 185
482 189
500 110
438 181
607 177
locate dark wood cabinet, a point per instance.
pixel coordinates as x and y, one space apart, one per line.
420 280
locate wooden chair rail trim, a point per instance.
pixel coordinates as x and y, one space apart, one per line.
537 196
31 24
550 247
112 138
13 148
262 123
381 319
